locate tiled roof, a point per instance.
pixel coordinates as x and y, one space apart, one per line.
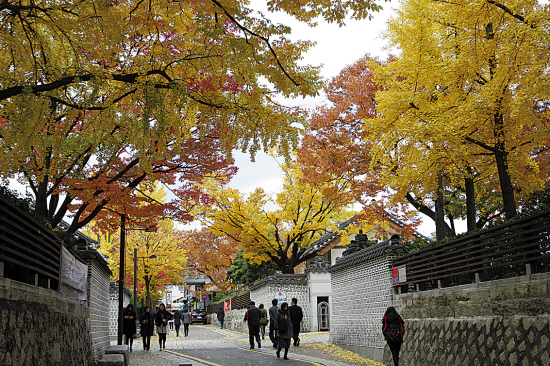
281 279
384 247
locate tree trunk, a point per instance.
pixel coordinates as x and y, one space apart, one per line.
470 201
440 224
148 296
506 186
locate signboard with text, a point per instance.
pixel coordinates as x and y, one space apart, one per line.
399 275
74 276
395 276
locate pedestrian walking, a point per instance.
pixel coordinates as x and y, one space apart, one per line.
161 320
263 320
221 317
272 315
252 316
186 318
147 323
171 321
177 322
393 330
296 316
129 324
283 329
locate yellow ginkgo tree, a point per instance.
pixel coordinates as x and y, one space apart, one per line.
275 228
466 99
161 259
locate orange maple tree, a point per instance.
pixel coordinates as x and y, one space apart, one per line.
337 148
210 255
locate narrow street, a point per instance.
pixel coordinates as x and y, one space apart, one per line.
209 346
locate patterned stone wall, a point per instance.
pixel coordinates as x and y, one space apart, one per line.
98 302
504 322
113 308
41 327
361 293
263 292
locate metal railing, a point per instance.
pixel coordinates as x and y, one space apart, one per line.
519 248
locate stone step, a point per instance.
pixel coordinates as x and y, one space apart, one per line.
120 350
111 360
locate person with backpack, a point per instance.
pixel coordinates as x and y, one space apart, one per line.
263 320
393 329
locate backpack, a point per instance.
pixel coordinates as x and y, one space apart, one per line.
392 331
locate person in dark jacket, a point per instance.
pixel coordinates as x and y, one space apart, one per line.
177 322
186 318
252 316
296 315
161 320
129 324
283 329
221 317
272 314
393 330
147 324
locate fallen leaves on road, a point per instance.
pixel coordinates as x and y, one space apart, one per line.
341 354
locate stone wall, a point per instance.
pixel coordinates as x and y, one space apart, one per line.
41 327
264 291
98 299
113 308
503 322
233 320
361 292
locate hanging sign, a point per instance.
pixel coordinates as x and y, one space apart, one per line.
280 296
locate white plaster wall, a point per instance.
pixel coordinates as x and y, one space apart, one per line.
336 253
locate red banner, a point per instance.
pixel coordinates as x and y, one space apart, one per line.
227 305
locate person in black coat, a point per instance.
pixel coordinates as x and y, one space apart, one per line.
221 317
296 315
253 316
283 329
147 327
177 322
272 314
129 324
393 330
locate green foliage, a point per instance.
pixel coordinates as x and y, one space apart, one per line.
244 272
13 197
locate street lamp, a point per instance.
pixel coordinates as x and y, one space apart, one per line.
121 274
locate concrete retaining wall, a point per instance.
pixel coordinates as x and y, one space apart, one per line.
42 327
503 322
